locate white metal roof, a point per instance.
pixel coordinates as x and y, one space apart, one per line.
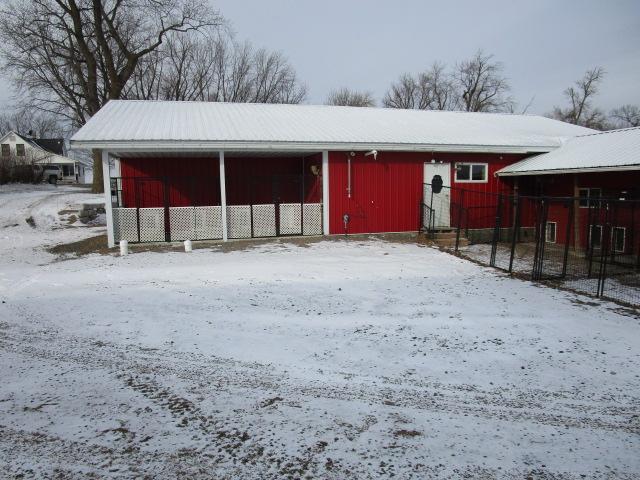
130 124
612 150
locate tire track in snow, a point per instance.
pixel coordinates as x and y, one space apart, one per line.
550 408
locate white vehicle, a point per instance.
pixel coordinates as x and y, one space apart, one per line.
50 173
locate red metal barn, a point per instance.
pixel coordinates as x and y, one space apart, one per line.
592 184
197 170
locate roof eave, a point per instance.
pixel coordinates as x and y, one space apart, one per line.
560 171
199 146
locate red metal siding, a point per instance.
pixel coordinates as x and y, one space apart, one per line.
195 181
612 185
189 181
387 192
272 180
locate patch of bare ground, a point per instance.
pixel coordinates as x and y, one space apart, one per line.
98 244
407 433
87 246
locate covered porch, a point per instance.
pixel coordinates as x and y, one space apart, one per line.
176 196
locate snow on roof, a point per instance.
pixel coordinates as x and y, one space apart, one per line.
612 150
168 124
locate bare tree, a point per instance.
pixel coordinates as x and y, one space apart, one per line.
25 120
432 89
481 86
214 68
581 110
475 85
71 56
441 88
403 94
350 98
625 116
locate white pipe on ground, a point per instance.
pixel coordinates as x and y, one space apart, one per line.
188 247
124 247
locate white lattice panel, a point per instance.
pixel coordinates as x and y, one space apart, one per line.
125 224
208 223
290 219
152 225
312 219
264 220
182 223
239 221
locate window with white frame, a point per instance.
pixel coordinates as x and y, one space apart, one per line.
550 232
588 196
471 172
6 150
595 236
618 238
20 149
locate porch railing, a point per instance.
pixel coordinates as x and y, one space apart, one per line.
188 208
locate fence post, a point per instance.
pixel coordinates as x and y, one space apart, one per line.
604 251
541 226
135 189
568 238
516 229
431 215
460 208
167 220
496 232
589 251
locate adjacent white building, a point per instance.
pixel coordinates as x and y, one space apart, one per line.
44 152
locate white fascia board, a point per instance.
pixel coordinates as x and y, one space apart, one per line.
195 146
559 171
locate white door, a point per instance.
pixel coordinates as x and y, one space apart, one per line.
437 206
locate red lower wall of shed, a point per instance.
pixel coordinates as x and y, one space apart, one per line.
386 192
149 182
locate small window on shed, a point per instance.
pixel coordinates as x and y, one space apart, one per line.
20 149
471 172
588 197
595 236
6 150
550 232
619 236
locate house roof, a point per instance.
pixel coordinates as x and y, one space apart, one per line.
53 145
603 151
48 155
131 124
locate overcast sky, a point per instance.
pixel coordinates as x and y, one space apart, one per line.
544 44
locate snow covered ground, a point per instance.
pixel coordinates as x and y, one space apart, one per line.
338 359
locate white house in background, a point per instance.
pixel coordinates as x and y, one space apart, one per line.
44 151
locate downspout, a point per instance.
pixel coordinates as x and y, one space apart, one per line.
349 155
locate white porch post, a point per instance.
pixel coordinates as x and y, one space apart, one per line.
108 208
325 192
223 197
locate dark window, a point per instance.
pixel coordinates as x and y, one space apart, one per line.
550 232
67 170
471 172
463 172
619 234
595 236
20 149
588 197
6 150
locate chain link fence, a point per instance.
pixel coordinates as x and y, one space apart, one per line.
589 245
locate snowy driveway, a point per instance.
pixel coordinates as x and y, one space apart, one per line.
341 359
